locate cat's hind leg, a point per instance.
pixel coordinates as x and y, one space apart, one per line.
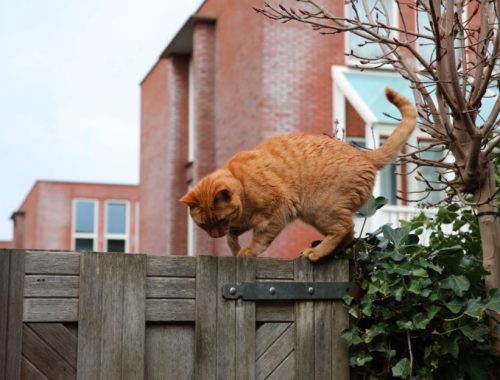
338 230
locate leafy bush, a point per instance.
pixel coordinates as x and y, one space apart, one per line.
423 313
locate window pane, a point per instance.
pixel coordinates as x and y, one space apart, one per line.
85 211
388 183
376 9
116 218
84 244
116 245
432 175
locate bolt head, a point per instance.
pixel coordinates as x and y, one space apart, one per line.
272 290
232 290
310 290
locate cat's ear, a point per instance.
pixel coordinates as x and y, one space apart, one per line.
190 200
222 194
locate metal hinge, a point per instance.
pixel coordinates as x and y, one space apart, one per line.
289 291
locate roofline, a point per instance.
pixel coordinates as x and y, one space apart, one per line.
40 181
182 42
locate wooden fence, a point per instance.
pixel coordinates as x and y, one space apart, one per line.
110 316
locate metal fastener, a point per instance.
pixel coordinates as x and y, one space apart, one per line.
272 291
232 291
311 290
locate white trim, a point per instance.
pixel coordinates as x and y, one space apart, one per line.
191 111
351 61
114 236
339 113
84 235
341 83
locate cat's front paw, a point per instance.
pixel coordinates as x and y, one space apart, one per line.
312 254
247 252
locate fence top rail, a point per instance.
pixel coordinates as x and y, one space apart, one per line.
51 262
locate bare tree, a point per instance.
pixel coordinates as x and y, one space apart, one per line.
450 56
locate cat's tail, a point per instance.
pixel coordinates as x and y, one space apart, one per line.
391 147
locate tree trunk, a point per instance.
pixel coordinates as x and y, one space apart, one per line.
489 228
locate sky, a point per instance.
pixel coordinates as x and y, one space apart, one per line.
69 89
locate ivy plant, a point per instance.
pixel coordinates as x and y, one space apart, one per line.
423 312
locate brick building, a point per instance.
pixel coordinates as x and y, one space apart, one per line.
229 80
78 216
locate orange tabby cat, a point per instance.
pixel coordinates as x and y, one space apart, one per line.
315 178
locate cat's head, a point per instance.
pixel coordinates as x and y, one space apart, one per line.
214 204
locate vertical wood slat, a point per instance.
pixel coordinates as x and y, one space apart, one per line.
134 314
226 327
111 316
245 322
340 350
11 322
304 325
323 322
206 318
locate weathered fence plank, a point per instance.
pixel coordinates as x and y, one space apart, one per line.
171 266
274 269
89 320
275 312
45 358
12 290
340 318
286 370
323 320
50 310
4 305
170 287
29 371
275 354
51 286
134 317
226 328
52 262
169 353
304 326
206 322
59 338
245 322
267 334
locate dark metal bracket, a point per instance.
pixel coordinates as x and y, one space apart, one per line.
289 291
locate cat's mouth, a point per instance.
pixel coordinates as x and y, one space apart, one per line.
217 234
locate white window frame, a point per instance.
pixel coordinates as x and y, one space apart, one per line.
351 61
84 235
112 236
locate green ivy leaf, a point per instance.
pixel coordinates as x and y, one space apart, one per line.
405 325
374 331
494 302
455 305
359 359
450 346
474 332
475 308
402 368
459 284
420 320
351 337
371 206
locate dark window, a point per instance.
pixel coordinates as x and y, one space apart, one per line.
116 245
84 221
84 244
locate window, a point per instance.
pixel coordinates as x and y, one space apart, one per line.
431 174
381 10
116 226
84 225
